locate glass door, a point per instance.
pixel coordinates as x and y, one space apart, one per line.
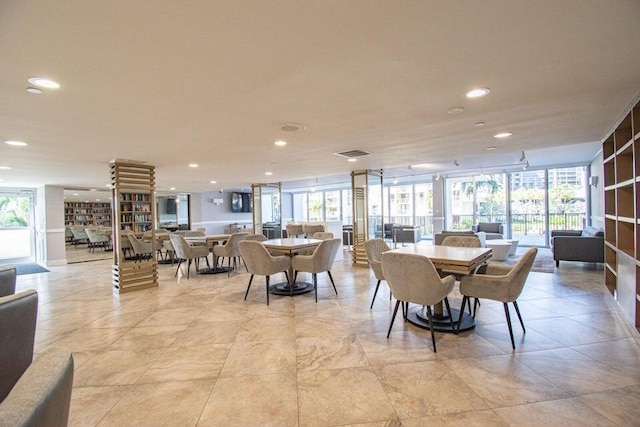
17 230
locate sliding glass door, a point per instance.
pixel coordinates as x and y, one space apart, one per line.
17 231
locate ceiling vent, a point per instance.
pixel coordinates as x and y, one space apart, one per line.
353 154
291 127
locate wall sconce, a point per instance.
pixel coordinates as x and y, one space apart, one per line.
593 181
217 202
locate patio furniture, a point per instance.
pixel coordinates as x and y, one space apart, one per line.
493 230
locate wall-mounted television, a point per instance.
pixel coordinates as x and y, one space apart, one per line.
171 206
241 202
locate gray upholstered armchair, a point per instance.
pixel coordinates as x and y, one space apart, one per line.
375 248
259 261
7 282
493 230
577 245
32 393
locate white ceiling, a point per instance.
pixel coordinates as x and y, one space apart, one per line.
211 82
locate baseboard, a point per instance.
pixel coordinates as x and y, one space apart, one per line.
56 263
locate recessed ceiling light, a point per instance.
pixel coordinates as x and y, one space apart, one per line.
75 194
491 148
16 143
213 182
193 165
42 82
108 185
268 173
34 90
352 160
86 201
477 93
455 110
93 189
291 127
503 135
172 188
480 124
281 143
5 168
97 200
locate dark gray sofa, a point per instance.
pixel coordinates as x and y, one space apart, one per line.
493 230
577 245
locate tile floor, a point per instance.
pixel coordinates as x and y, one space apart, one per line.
192 352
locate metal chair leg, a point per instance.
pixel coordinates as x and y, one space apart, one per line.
315 284
332 282
515 304
433 334
464 301
506 312
267 290
374 295
248 287
179 262
395 311
446 304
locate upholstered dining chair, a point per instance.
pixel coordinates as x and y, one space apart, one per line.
229 249
256 237
413 278
320 261
375 248
259 261
500 283
310 229
32 392
186 252
97 239
79 236
7 282
141 250
294 230
468 241
322 235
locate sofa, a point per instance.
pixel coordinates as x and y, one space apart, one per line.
577 245
492 230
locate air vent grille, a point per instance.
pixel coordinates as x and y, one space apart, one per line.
353 153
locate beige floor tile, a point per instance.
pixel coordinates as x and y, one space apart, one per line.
563 412
622 406
261 357
120 319
187 364
567 332
90 404
90 339
201 331
117 367
267 329
427 388
307 327
147 337
400 347
621 354
574 372
329 353
342 396
265 400
164 404
503 381
464 419
171 317
498 335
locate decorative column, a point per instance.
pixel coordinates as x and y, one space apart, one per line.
133 187
267 209
368 211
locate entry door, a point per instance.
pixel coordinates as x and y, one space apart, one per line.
17 230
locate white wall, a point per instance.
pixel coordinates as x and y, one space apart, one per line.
214 218
50 240
596 168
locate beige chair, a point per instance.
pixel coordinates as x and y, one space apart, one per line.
202 230
97 240
259 261
500 283
141 250
256 237
186 252
470 241
79 236
375 248
413 278
320 261
169 250
32 393
7 282
127 249
294 230
310 229
194 233
229 249
322 235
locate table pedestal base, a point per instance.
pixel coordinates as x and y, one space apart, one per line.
283 288
215 270
418 316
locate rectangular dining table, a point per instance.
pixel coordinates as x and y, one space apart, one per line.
210 241
452 260
290 246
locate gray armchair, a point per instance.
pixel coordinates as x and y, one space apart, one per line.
493 230
7 282
259 261
34 393
577 245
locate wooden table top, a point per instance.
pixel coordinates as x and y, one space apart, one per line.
291 244
450 258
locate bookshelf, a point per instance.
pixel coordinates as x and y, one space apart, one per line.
621 156
87 214
133 186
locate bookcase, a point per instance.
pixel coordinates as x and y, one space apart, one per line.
621 156
133 186
83 213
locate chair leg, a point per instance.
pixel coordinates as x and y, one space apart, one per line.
315 284
506 312
179 262
395 311
374 295
464 301
332 282
476 304
267 289
188 268
433 334
515 304
446 304
248 287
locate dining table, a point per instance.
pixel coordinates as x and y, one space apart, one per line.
290 247
449 260
210 241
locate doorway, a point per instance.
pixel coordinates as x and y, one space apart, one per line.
17 227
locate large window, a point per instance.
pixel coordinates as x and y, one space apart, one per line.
332 205
316 206
17 227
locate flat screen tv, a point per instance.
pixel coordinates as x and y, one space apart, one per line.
171 206
241 202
